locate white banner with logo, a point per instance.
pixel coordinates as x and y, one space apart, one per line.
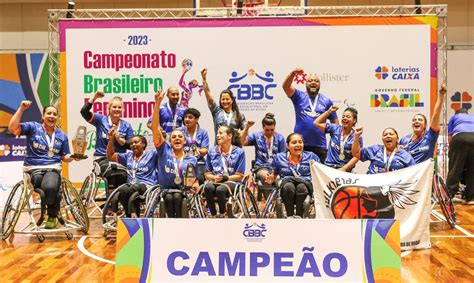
383 67
257 250
404 195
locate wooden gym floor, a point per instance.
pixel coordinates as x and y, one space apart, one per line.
90 258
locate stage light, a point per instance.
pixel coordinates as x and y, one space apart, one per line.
70 9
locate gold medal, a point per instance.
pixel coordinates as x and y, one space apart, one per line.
177 180
312 114
50 153
342 156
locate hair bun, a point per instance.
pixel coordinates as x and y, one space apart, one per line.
270 116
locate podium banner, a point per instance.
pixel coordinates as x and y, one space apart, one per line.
404 195
257 250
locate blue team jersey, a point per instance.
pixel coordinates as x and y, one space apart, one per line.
334 148
167 117
102 127
220 118
235 161
402 159
423 148
285 169
166 166
461 123
201 140
145 167
304 118
37 145
262 156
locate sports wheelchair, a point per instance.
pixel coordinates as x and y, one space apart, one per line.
274 208
113 208
191 204
95 190
23 198
241 203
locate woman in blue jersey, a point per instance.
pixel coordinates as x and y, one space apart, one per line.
197 139
103 124
225 166
293 168
141 169
340 145
383 158
172 162
421 142
47 147
227 112
267 143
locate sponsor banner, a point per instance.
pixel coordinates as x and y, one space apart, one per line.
257 250
12 149
23 76
386 81
404 195
460 83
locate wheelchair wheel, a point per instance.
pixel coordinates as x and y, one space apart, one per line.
278 207
109 220
86 189
153 200
445 202
184 208
250 204
75 205
13 207
196 206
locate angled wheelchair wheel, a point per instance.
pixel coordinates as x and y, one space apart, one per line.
197 206
445 202
152 202
13 207
86 190
250 204
110 217
185 208
73 204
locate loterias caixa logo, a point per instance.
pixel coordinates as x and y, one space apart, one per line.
353 201
397 73
461 99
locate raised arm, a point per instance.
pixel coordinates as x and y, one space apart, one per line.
244 134
111 154
14 124
320 122
158 137
435 119
86 109
355 144
207 91
287 87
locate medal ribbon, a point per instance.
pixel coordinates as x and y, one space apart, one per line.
50 140
178 165
135 167
313 105
296 167
173 115
343 141
269 144
228 117
387 164
226 160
